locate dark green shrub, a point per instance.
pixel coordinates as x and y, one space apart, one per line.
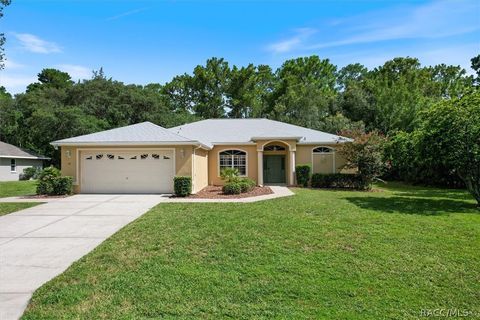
247 184
339 180
182 186
302 172
232 188
62 185
46 179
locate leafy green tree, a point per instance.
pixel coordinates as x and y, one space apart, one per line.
210 82
51 78
338 123
304 92
450 131
476 67
365 154
3 4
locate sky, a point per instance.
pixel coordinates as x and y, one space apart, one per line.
145 42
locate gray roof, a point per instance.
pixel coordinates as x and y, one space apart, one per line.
140 133
11 151
216 131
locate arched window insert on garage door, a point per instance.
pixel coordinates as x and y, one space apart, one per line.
320 150
235 159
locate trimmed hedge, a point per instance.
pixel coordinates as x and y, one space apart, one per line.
50 182
339 180
182 186
302 171
232 188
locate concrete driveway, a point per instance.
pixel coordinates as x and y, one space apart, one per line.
39 243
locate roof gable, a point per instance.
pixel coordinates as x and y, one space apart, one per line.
145 132
10 151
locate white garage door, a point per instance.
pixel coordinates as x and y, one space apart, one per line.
132 171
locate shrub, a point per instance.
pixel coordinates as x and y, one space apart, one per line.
302 172
29 173
339 180
182 186
365 153
247 184
229 175
62 185
232 188
46 179
50 182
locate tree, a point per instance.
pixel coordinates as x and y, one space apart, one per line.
450 131
51 78
476 67
210 83
304 91
365 154
3 4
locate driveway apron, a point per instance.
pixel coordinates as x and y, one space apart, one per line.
39 243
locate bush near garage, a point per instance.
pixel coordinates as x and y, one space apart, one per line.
51 182
182 186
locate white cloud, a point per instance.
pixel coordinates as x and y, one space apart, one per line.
34 44
293 43
433 20
11 65
15 83
128 13
75 71
437 19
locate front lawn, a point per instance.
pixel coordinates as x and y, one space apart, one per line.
319 254
9 207
17 188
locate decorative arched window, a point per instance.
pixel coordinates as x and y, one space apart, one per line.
274 147
322 150
235 159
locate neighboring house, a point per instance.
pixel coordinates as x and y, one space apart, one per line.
144 158
14 159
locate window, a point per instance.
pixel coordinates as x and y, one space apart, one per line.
274 147
13 165
110 156
323 150
234 159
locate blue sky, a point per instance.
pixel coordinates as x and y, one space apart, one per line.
152 41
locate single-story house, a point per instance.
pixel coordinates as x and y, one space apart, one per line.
144 157
14 159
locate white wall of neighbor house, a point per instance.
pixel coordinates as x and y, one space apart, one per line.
6 174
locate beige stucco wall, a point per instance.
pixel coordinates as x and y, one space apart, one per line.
213 164
200 170
321 163
204 165
183 159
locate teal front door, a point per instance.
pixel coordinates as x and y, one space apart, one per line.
274 169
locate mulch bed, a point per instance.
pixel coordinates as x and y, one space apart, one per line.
215 192
42 196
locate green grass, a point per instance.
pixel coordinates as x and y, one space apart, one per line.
17 188
319 254
6 208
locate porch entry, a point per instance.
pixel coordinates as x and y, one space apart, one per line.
274 169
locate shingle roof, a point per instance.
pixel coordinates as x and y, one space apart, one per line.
214 131
11 151
145 132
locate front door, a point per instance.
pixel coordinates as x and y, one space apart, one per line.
274 169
